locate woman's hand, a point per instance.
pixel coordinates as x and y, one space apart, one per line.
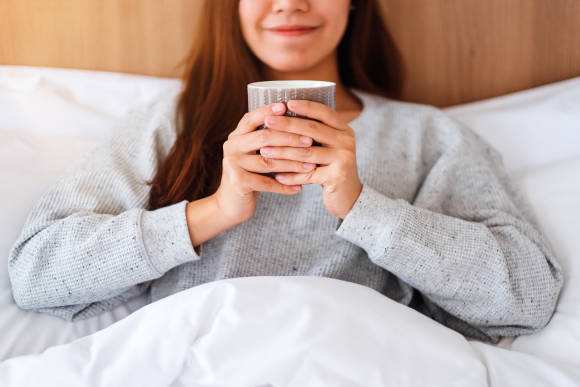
241 180
338 172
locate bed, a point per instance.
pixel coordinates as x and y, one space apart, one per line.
315 330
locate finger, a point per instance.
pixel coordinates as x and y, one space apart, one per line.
261 164
312 154
251 142
317 111
251 120
320 132
316 176
267 184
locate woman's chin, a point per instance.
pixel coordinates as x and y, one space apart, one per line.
294 66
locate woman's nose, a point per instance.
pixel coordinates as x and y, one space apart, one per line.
290 6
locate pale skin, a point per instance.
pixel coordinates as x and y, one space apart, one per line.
285 147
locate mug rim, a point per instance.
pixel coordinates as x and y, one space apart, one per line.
300 84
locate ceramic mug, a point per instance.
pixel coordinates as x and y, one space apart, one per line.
268 92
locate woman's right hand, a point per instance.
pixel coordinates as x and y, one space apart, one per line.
241 179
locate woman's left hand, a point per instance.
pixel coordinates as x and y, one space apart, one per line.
337 172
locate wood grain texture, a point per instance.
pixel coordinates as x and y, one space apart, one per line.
457 51
148 37
454 51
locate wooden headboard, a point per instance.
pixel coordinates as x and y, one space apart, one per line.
454 51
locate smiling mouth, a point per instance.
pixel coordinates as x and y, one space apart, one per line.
292 31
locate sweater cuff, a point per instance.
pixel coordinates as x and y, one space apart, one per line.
370 222
165 237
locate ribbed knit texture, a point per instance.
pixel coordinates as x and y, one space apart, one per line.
438 226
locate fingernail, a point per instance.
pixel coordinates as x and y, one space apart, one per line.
280 177
308 165
278 108
272 120
266 151
305 140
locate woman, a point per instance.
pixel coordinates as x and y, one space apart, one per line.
410 202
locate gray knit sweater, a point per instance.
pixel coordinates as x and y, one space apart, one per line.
438 226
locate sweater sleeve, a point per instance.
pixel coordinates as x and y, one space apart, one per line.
88 244
468 246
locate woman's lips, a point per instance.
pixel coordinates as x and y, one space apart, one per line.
292 32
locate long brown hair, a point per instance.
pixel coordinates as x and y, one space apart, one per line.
218 68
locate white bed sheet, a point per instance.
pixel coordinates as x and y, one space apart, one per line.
48 117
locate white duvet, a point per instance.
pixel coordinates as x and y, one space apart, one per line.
277 331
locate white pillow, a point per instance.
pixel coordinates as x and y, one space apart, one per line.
530 128
78 103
